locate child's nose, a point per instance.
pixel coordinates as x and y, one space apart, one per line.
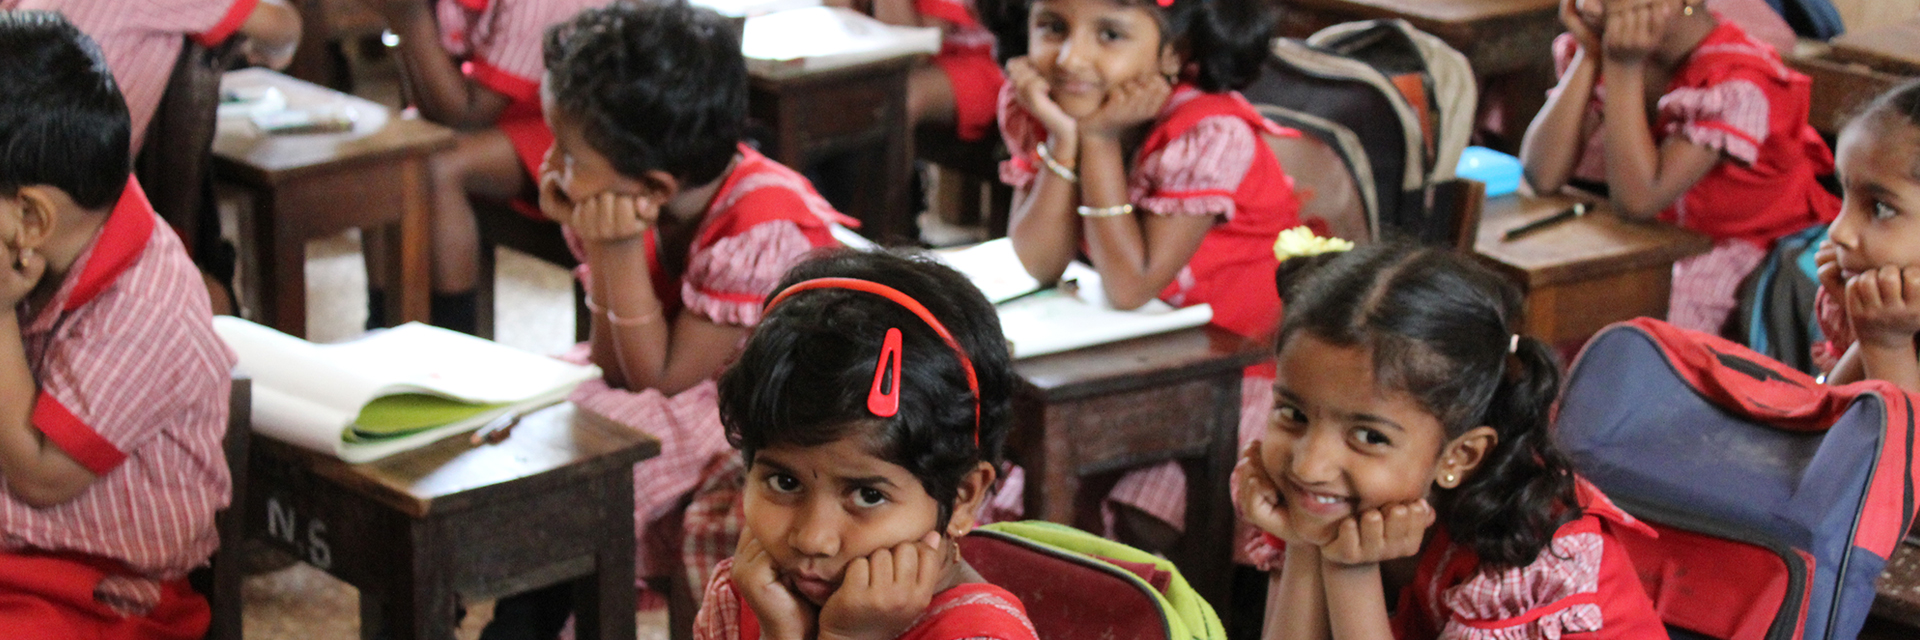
1845 230
1316 457
816 531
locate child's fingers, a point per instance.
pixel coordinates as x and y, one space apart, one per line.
1863 291
859 574
881 565
1373 533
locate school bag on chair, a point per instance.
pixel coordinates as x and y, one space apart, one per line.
1777 499
1079 586
1773 309
1396 104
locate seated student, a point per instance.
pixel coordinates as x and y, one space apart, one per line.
473 65
1130 143
1410 420
682 232
113 386
1869 301
141 39
1683 117
871 408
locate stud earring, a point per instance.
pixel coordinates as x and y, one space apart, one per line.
1449 479
1686 10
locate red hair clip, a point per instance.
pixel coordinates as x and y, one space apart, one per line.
886 404
1163 3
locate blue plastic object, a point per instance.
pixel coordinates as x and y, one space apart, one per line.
1500 172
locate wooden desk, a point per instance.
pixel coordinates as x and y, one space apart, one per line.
419 530
861 110
1582 275
1898 593
316 185
1889 48
1508 42
1127 404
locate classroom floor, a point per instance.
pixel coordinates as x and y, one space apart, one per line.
535 303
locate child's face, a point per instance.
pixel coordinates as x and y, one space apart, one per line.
1337 443
816 509
1879 222
1084 47
581 169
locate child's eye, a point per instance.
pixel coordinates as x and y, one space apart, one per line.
1112 35
868 497
1882 210
1288 416
783 483
1370 437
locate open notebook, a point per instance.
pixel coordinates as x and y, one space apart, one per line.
390 391
1040 320
807 39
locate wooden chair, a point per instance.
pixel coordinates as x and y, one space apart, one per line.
977 162
175 164
501 225
1840 89
220 581
1325 186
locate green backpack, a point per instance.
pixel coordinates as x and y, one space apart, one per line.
1079 586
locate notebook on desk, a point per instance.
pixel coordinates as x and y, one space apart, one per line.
1038 320
809 39
391 391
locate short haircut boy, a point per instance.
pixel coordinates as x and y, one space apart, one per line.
81 146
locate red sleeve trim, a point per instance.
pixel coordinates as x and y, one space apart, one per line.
75 437
514 87
228 24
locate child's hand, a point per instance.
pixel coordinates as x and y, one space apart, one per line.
1393 531
1826 264
781 613
883 593
1128 105
1884 305
1577 26
554 202
613 217
1032 92
19 274
1258 499
1634 31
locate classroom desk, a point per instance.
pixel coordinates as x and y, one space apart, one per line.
861 109
315 185
1122 405
1584 274
422 531
1508 42
1888 48
1898 593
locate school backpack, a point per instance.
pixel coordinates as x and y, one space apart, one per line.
1395 103
1079 586
1778 500
1773 309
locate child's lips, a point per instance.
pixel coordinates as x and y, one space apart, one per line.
812 588
1323 505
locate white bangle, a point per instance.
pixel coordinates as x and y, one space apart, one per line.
1046 156
1105 212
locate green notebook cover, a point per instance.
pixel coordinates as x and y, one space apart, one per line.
408 413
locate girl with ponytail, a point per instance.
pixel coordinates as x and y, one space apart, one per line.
1410 419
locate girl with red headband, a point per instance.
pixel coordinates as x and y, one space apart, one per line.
871 406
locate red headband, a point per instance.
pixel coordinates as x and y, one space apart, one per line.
886 403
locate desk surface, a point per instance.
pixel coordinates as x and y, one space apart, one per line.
1585 248
1889 48
1140 362
378 132
550 446
1899 588
1452 12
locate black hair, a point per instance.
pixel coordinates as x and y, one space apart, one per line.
1900 105
1439 328
63 122
657 85
804 376
1223 41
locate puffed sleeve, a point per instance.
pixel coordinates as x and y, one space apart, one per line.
1554 596
1831 316
1022 132
719 617
1730 116
1198 172
729 280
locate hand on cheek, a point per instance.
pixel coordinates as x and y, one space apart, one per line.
1034 94
19 274
614 217
1129 104
1258 499
1884 306
1373 536
883 593
782 615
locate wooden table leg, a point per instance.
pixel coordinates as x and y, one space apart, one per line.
1207 565
604 600
415 245
283 272
419 603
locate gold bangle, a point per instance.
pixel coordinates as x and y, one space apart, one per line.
1105 212
1046 156
614 319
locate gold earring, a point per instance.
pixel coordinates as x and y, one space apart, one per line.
1449 480
1686 10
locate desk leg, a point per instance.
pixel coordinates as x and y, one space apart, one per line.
604 600
415 244
1207 564
424 611
282 286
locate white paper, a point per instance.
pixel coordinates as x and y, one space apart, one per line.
818 38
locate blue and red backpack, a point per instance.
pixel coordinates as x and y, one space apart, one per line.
1777 499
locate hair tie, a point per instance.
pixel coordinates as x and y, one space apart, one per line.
1300 242
1513 344
1163 3
884 400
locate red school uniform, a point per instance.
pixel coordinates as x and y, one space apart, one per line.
1204 156
967 612
501 40
966 56
763 220
134 386
141 40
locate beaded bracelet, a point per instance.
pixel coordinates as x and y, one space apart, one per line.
1105 212
1046 156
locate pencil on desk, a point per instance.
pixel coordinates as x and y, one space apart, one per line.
1578 209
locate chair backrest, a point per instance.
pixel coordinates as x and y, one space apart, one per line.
1779 499
1324 183
220 580
175 160
1078 586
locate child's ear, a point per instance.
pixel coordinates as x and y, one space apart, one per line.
1463 455
974 489
1172 58
37 214
659 185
